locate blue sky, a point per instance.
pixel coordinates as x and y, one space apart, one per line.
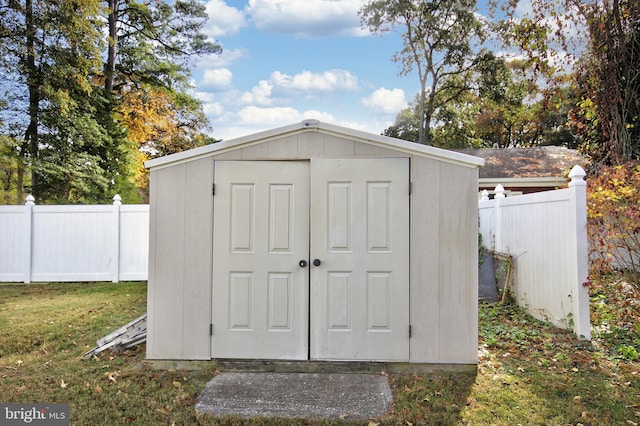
288 60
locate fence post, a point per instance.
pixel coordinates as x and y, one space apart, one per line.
28 211
499 191
117 202
578 187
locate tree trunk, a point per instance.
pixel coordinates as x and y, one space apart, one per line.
110 66
33 84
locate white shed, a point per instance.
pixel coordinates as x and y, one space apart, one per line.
314 242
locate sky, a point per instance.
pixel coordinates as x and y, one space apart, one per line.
285 61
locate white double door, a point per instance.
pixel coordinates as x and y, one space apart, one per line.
311 260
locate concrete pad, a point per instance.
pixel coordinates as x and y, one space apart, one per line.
297 395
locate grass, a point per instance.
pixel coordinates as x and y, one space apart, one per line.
529 373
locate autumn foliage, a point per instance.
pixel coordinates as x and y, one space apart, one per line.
613 208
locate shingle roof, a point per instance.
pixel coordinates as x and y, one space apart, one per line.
548 161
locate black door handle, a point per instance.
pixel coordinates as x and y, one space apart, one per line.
302 263
316 262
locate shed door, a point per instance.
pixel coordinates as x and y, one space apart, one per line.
360 233
261 232
350 215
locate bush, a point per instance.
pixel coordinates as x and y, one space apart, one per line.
613 209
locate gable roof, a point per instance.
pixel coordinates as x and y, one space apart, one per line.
325 128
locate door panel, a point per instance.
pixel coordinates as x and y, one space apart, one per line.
360 233
351 215
261 228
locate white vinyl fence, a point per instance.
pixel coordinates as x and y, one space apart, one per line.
74 243
545 233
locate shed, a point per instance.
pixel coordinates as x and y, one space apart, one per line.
314 242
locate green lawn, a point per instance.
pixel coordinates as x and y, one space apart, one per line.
530 373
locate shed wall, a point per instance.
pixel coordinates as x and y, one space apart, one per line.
179 294
443 263
444 259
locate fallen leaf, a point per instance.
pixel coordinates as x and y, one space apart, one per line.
384 373
19 362
98 389
630 423
177 383
373 423
63 384
112 376
163 411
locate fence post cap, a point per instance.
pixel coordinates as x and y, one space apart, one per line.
577 175
30 200
499 191
484 195
117 200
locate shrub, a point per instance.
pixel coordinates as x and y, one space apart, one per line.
613 209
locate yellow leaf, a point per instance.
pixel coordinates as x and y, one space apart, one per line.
373 423
177 383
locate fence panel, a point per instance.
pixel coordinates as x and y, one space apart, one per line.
14 250
74 243
134 242
545 234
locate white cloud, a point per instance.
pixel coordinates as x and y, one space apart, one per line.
259 95
223 19
307 18
317 115
386 101
213 109
219 78
227 58
328 81
271 117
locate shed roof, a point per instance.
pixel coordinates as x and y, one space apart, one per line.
325 128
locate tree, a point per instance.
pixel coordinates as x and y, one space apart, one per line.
64 98
146 78
500 108
607 73
437 42
611 74
50 51
158 125
152 43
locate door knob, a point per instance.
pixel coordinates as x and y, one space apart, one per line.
302 263
316 262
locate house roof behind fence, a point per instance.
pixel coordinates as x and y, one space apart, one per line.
530 163
325 128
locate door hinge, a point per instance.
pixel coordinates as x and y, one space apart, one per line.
409 330
213 189
210 329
